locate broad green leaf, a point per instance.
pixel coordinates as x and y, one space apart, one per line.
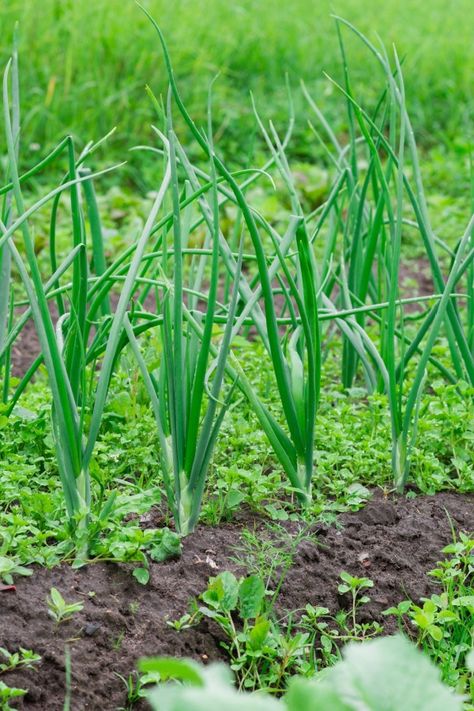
304 695
387 674
56 598
222 592
142 575
169 546
185 670
435 632
251 597
464 601
216 693
423 620
9 692
259 633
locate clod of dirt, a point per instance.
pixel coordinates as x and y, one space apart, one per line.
384 514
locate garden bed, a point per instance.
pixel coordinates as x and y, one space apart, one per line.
394 540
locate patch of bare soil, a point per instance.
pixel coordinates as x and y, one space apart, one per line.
394 541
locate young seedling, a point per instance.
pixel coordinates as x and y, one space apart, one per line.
399 612
137 687
354 586
8 693
59 609
22 658
118 641
133 690
263 654
185 622
269 555
442 624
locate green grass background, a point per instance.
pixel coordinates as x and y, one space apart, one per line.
85 64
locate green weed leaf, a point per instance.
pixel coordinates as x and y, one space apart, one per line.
251 597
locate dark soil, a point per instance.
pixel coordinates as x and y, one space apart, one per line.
393 541
26 348
415 280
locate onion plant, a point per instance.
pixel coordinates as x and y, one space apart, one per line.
185 391
456 328
297 359
365 217
6 295
66 418
335 267
299 395
391 188
63 344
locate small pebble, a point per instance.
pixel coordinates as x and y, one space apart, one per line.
91 628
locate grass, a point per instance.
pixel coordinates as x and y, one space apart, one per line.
82 73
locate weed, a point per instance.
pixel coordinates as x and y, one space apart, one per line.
23 658
384 671
137 687
269 554
355 586
442 624
7 694
118 641
134 606
10 567
265 651
261 654
60 610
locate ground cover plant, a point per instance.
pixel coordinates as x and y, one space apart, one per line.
251 338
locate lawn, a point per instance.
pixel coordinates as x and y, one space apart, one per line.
236 357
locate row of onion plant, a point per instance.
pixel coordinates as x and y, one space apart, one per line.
180 287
